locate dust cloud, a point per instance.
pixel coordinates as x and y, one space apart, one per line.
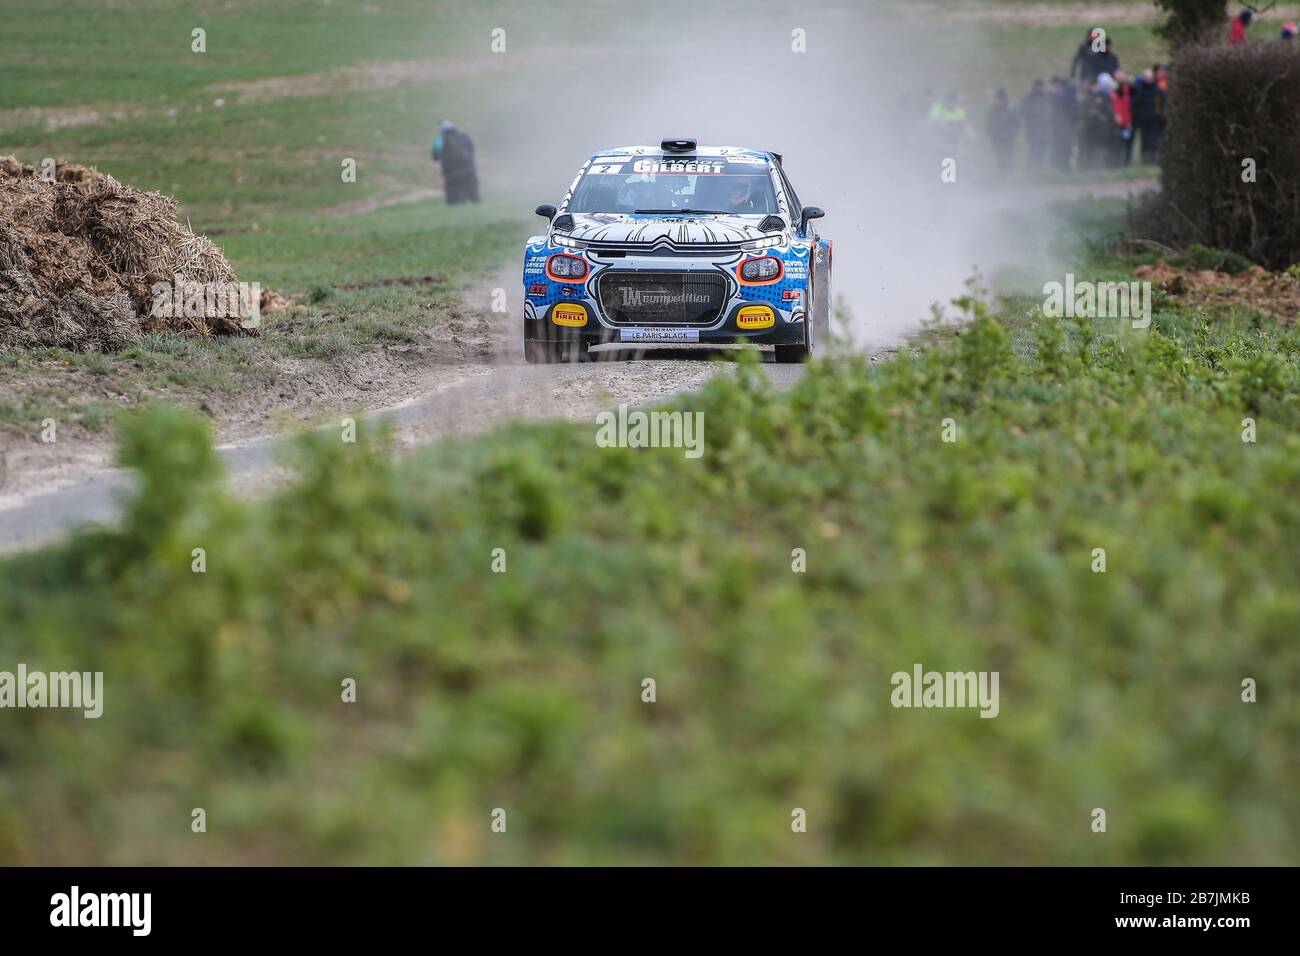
848 115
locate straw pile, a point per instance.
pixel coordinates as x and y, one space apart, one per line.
78 257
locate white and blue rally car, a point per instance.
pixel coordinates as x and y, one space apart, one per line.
679 244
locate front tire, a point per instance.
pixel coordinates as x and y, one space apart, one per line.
792 354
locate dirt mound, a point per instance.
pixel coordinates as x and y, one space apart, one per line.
80 255
1276 293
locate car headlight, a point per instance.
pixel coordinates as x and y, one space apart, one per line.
565 267
765 243
567 242
760 270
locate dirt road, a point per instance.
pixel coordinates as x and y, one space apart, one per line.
459 399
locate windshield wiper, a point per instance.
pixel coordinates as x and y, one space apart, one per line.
661 212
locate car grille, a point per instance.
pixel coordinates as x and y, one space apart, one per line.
661 298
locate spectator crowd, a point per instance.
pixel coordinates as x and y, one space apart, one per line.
1098 116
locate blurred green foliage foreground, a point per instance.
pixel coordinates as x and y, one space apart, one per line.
523 690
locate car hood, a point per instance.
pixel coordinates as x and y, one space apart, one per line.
612 227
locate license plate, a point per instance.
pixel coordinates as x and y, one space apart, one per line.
659 335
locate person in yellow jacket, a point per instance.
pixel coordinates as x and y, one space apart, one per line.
949 123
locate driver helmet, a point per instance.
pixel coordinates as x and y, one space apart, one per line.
739 190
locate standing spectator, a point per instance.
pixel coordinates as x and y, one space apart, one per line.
1149 114
1086 63
1065 121
1036 112
1121 99
454 150
1108 59
1237 35
1288 31
948 121
1097 127
1002 124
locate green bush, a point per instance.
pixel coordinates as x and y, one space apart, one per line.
522 690
1220 260
1230 161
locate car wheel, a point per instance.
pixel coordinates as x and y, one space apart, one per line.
791 354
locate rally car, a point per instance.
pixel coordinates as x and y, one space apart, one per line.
677 244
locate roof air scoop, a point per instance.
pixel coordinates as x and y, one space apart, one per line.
678 146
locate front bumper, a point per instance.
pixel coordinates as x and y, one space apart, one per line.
596 331
767 314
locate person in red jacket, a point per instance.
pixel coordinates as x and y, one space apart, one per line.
1121 101
1237 36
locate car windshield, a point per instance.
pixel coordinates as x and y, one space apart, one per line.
664 185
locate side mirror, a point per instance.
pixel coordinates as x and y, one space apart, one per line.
546 211
809 213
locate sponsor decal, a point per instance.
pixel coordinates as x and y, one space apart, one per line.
679 167
537 288
748 160
659 335
789 294
569 314
755 317
661 298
